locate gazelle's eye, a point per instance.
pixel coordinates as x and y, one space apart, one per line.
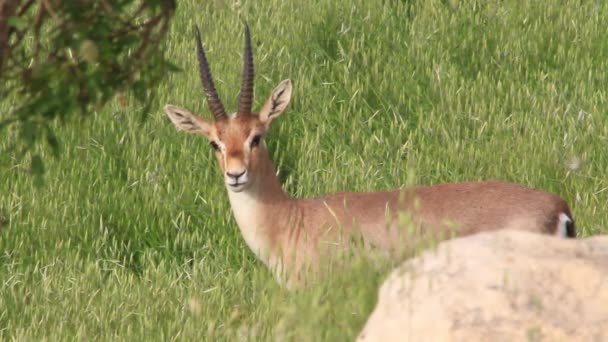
215 146
256 140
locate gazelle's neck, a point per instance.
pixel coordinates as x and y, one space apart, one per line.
259 209
265 188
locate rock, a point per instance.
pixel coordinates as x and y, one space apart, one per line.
497 286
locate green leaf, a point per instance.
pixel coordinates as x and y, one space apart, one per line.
17 22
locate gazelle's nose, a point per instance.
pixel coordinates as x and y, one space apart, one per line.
235 175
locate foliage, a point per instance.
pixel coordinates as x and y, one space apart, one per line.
66 57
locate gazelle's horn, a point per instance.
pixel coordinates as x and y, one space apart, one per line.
246 97
213 100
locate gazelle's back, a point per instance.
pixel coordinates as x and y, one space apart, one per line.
450 208
477 206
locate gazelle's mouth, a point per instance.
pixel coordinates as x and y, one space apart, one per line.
236 186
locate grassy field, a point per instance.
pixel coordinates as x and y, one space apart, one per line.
132 237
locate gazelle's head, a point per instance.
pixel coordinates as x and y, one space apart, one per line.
236 137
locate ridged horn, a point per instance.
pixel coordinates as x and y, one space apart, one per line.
213 100
246 97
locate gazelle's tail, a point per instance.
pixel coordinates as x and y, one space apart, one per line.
565 226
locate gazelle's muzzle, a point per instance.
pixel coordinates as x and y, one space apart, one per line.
236 175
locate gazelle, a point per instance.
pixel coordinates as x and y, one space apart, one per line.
287 233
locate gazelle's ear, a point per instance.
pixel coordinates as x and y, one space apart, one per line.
185 120
276 103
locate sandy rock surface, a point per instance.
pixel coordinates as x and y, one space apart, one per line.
498 286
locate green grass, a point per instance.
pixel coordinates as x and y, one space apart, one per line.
132 237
